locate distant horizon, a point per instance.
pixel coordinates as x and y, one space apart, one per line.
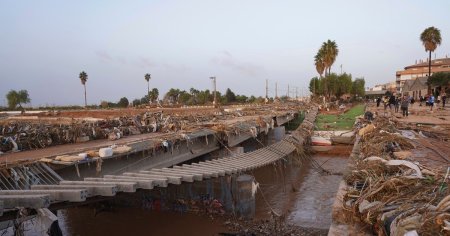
45 45
31 105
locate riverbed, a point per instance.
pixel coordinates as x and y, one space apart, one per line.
297 191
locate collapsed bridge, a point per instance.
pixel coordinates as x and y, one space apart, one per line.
58 193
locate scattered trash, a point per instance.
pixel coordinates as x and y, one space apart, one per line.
68 158
402 155
105 152
408 134
366 130
121 149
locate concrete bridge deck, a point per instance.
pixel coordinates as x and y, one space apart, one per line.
42 196
141 141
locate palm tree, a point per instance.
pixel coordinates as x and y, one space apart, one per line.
320 66
83 77
153 95
431 38
147 78
330 52
319 63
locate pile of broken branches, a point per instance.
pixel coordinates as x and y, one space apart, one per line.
394 196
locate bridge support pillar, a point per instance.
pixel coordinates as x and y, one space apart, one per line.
276 134
245 196
47 223
237 150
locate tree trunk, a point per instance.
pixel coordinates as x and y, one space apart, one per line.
429 74
85 100
148 90
22 110
314 87
329 70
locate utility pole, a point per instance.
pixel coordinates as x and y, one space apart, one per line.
276 90
288 92
267 88
215 97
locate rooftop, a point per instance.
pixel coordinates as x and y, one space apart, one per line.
435 62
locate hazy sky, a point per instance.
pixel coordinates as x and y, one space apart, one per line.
44 45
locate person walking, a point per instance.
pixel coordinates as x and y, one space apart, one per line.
391 102
444 97
397 104
378 101
431 101
404 106
385 103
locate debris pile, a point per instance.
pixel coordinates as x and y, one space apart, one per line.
272 226
19 134
392 193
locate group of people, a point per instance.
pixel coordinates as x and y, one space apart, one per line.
430 100
396 102
404 102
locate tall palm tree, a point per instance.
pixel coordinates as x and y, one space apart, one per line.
320 66
330 53
319 62
83 77
431 38
147 78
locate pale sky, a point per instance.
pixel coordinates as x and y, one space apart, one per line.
44 45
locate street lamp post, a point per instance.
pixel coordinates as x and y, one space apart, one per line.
213 78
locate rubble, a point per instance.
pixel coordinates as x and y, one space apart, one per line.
28 133
273 226
391 192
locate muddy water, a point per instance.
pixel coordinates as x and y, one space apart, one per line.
133 221
301 194
315 198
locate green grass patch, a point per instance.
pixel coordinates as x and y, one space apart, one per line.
343 121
